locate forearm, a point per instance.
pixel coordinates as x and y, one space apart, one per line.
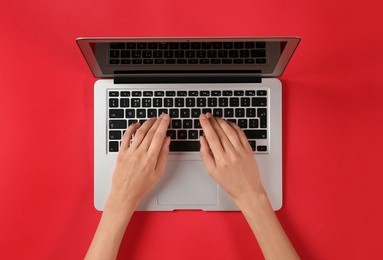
110 231
269 233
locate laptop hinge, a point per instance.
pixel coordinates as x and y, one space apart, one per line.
187 79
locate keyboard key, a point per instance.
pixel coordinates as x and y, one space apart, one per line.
197 124
262 148
152 113
249 45
115 135
195 112
250 112
162 111
179 146
245 102
217 112
130 113
157 102
195 45
242 123
240 112
179 102
261 93
217 45
159 93
182 93
176 123
201 102
136 102
170 93
182 134
262 114
132 121
172 134
212 102
253 123
113 146
190 102
229 112
148 93
131 45
141 113
174 113
168 102
117 124
146 102
114 93
193 134
124 102
223 102
141 45
259 102
187 124
253 145
234 102
239 45
260 61
113 102
117 45
255 134
260 45
116 113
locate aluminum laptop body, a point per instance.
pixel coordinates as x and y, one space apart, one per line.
143 66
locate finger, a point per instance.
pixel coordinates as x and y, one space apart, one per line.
211 135
157 135
206 155
141 132
163 157
220 133
128 136
229 131
241 136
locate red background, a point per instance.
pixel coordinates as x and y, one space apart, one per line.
332 128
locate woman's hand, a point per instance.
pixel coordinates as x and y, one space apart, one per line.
229 158
140 163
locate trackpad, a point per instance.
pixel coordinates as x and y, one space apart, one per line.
185 184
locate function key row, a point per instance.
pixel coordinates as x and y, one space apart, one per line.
190 93
157 54
187 45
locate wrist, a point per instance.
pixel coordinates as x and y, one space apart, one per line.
251 200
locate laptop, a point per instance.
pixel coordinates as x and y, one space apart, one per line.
235 78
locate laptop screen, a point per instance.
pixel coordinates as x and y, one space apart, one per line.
124 57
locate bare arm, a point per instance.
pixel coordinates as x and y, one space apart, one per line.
139 166
230 161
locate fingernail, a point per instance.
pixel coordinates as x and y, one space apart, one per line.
202 116
164 116
208 115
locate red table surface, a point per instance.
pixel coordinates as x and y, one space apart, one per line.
332 128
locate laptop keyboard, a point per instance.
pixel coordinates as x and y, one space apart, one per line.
208 53
247 108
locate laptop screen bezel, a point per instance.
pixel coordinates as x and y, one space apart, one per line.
291 43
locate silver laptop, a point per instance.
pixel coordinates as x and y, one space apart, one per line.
231 77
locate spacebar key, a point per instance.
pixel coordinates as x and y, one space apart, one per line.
184 146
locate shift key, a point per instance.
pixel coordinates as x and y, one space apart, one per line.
117 124
256 134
